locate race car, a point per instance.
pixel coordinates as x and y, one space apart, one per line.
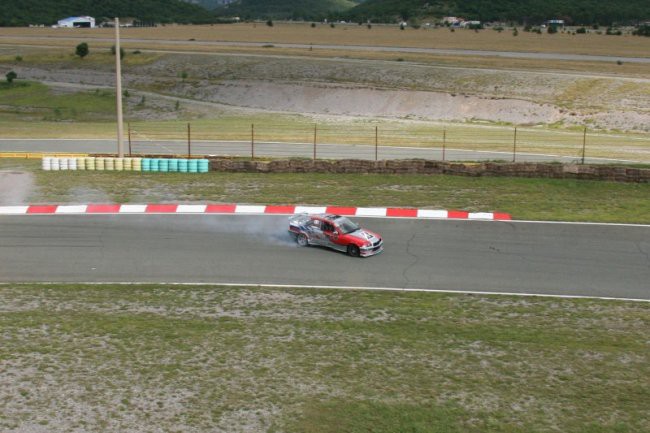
336 232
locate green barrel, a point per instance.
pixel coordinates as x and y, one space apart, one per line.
173 165
163 165
146 164
182 165
204 165
193 166
154 164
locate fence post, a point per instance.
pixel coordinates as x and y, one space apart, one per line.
376 143
584 144
189 141
444 142
128 125
252 141
514 147
315 128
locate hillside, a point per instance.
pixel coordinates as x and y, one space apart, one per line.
25 12
285 9
533 11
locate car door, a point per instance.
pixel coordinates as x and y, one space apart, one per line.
316 232
331 234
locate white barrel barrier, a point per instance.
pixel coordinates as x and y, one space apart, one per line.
54 164
136 164
119 164
109 164
81 163
89 163
63 163
46 164
99 164
128 164
72 163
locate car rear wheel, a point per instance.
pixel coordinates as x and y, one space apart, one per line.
353 250
302 240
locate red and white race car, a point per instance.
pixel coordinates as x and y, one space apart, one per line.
336 232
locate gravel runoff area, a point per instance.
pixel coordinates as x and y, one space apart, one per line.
196 359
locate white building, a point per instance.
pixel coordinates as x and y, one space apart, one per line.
77 22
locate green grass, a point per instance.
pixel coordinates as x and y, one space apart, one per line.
317 361
36 101
528 199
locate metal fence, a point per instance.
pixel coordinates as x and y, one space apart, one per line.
327 141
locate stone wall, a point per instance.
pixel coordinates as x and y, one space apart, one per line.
421 166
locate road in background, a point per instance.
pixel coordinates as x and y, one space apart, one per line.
279 150
368 48
544 258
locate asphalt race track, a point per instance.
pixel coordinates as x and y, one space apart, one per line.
276 150
518 257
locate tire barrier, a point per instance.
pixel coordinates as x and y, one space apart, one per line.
161 165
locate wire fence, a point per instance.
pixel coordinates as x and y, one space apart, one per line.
386 142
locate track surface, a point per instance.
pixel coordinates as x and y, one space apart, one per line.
558 259
277 150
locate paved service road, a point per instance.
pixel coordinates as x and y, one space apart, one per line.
564 259
277 150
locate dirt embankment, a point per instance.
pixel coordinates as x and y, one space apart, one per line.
395 90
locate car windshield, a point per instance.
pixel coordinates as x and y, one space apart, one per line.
346 225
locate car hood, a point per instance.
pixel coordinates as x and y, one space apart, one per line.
364 235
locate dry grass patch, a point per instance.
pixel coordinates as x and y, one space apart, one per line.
117 358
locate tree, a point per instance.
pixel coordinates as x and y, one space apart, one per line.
82 50
11 76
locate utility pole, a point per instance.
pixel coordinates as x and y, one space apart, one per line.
118 90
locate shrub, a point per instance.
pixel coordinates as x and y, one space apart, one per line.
332 25
11 76
515 32
269 23
369 26
642 30
19 58
551 30
82 50
122 53
613 31
581 30
313 25
498 29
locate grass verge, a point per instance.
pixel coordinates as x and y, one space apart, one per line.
116 358
526 199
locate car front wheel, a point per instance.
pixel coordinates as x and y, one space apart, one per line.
302 240
353 250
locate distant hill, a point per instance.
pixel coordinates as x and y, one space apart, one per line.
533 11
284 9
24 12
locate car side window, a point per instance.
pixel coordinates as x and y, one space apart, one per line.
315 224
327 227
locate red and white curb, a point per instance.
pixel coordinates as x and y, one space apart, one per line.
377 212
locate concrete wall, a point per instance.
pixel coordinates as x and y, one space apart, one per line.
420 166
